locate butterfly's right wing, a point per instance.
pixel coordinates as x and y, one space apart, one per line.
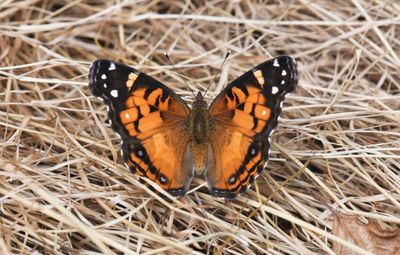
151 120
244 114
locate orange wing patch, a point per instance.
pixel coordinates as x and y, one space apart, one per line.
237 161
248 106
239 114
261 112
164 158
156 119
147 112
243 120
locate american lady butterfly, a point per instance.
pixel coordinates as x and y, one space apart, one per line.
166 141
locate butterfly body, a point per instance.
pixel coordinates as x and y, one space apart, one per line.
168 142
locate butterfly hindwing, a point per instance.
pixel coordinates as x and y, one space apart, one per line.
245 113
149 117
164 158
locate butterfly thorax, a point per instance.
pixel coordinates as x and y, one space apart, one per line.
199 120
199 125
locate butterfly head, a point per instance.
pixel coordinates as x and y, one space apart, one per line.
199 102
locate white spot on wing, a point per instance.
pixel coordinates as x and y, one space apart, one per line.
105 85
140 153
274 90
127 115
112 67
284 72
114 93
104 76
282 82
276 63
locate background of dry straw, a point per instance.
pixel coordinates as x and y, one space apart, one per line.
336 149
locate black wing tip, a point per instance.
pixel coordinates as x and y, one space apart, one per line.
290 62
95 68
106 75
285 58
101 62
110 65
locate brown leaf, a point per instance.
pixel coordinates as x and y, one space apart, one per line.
370 236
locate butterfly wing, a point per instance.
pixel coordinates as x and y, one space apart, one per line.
244 114
150 118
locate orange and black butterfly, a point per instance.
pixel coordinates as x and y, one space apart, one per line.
167 141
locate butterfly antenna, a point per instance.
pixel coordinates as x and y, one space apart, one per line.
219 70
174 68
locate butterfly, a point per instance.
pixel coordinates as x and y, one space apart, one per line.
167 141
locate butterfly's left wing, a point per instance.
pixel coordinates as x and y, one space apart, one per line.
150 118
244 114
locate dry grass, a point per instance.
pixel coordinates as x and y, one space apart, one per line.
64 189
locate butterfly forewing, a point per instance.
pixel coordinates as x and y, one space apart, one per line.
244 114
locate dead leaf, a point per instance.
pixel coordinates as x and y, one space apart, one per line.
370 236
